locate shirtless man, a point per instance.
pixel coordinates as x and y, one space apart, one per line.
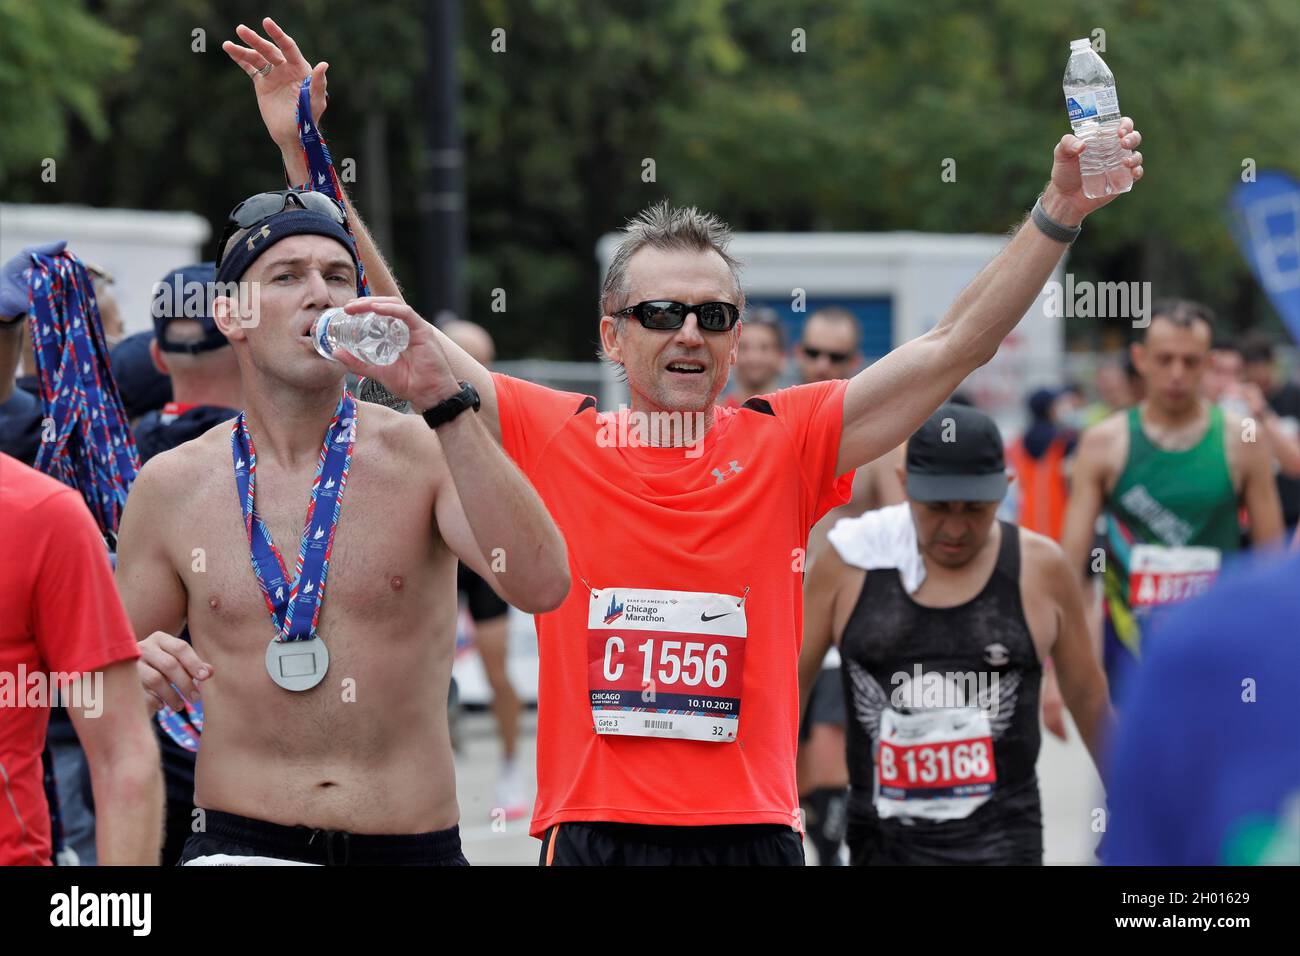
358 768
943 633
1170 474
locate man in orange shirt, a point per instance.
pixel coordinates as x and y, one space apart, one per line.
668 693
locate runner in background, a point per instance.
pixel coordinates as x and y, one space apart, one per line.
489 616
1275 404
760 356
1169 474
944 616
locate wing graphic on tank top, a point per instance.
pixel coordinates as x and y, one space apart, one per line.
869 698
1004 698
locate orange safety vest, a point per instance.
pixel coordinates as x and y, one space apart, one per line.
1044 492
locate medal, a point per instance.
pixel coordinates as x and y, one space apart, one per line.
297 665
297 659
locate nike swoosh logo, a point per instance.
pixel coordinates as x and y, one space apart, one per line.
713 617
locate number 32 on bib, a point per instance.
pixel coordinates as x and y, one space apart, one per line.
665 663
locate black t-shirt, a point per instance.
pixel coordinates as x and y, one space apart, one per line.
1286 402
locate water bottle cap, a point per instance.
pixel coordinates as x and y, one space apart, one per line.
1084 44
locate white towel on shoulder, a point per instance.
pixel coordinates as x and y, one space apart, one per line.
884 538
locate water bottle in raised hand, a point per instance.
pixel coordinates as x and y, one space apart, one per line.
373 338
1093 104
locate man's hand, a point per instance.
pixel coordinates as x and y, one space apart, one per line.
165 661
421 374
1063 199
277 91
15 275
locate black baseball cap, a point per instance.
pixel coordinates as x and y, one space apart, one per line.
956 456
185 293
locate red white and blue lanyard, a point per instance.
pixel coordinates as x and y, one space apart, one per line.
320 168
295 603
91 448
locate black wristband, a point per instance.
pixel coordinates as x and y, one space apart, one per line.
1056 231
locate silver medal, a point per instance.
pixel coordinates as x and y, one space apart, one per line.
297 665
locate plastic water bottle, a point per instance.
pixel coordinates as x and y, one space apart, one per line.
373 338
1094 113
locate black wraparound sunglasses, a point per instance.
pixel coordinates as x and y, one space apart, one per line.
256 208
666 316
835 357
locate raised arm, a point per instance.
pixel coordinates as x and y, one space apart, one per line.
889 399
277 100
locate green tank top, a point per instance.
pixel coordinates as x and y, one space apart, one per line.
1176 499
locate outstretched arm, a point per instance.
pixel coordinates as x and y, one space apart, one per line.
277 100
889 399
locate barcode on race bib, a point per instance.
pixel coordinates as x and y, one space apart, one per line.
658 724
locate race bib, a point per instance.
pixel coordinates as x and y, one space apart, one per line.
665 663
1159 575
934 764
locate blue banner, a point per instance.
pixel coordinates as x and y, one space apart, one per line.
1266 225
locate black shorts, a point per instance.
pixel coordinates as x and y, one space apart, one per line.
825 703
632 844
484 603
227 833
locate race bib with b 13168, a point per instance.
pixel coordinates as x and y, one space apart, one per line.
665 663
1158 575
934 764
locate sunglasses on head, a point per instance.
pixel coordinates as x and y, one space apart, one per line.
256 208
665 315
815 354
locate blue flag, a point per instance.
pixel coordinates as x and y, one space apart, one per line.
1266 225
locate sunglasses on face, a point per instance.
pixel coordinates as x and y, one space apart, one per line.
256 208
815 354
665 316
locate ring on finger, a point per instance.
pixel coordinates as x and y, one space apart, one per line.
266 69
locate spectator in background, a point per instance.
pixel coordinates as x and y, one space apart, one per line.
760 356
1114 385
143 388
1275 404
196 356
1038 459
830 346
490 617
110 317
1223 377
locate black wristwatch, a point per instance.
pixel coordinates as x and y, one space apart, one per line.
449 408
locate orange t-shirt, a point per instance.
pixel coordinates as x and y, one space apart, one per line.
721 518
59 614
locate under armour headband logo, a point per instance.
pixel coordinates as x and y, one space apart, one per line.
262 234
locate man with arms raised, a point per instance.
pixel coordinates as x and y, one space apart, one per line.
331 744
668 693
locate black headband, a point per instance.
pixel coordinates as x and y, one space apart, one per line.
265 234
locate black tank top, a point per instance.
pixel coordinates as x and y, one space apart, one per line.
958 650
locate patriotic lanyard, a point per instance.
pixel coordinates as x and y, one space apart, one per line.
321 176
187 729
86 442
295 604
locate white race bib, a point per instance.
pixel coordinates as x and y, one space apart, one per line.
665 663
934 764
1159 575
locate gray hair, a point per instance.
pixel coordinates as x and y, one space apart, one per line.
664 226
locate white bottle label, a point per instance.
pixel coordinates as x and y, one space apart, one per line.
1083 106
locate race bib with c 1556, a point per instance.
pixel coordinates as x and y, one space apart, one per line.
665 663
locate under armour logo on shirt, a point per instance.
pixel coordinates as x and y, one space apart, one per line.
735 469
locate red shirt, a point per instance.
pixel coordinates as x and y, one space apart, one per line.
730 516
59 612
